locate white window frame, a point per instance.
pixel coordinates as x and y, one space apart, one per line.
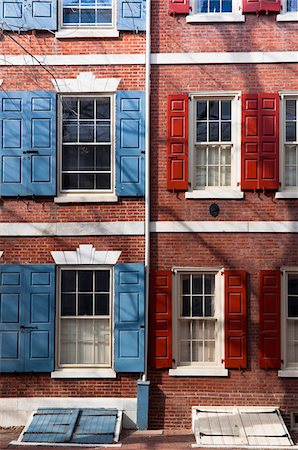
204 369
83 370
286 370
73 31
234 16
86 195
226 192
286 16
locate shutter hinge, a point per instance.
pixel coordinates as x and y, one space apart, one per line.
222 361
222 272
238 183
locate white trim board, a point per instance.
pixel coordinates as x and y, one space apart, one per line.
156 59
72 229
137 228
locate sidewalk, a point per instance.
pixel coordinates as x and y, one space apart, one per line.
130 440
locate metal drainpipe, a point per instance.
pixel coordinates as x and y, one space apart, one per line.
143 384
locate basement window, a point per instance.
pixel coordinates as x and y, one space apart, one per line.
255 427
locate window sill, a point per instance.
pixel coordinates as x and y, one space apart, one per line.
191 372
84 373
286 194
214 194
287 17
288 373
92 198
215 17
70 33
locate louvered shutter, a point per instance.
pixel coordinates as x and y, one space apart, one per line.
161 319
177 145
11 315
28 15
130 143
28 146
260 142
131 15
259 6
269 319
39 317
235 319
27 301
179 6
129 319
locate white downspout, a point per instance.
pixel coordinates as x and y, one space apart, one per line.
147 180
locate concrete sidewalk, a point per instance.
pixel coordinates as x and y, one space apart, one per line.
133 440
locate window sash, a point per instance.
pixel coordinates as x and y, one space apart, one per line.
81 136
211 7
79 9
84 340
290 146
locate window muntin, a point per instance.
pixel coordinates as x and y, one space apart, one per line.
213 143
85 318
214 6
87 13
86 149
198 320
291 143
292 320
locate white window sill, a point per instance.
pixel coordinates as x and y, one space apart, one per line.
287 17
84 373
192 372
215 17
92 198
288 373
286 194
69 33
208 193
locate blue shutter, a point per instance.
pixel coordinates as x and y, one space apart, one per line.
28 146
27 295
132 15
39 319
130 145
129 318
11 313
18 15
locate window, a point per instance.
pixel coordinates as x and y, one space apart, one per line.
86 13
85 318
291 144
215 147
215 11
289 11
290 320
199 322
86 156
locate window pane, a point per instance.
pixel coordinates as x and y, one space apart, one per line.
86 109
68 304
209 284
70 16
290 151
68 341
201 177
209 330
214 6
104 16
102 281
226 131
85 305
185 329
70 159
213 110
292 5
103 181
197 287
202 6
227 6
197 306
201 110
213 131
292 347
201 131
69 132
101 341
103 131
290 109
293 306
197 329
86 132
68 281
185 351
86 181
86 158
85 280
226 108
290 131
103 108
103 157
293 284
290 176
186 306
69 109
185 284
70 181
85 342
213 176
209 308
88 16
213 156
197 352
102 304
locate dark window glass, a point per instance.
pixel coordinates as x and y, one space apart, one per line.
102 304
186 306
85 305
85 280
197 284
68 304
202 110
213 109
68 282
186 284
197 306
102 281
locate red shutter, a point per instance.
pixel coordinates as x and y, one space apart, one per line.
235 319
177 149
261 5
179 6
161 319
269 319
269 141
260 142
